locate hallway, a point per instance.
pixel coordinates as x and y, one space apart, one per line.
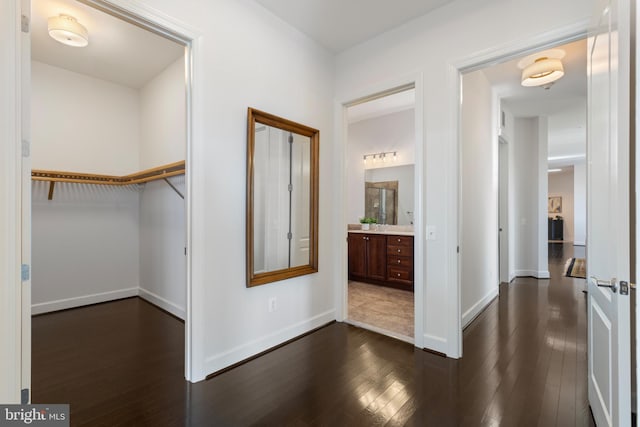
524 364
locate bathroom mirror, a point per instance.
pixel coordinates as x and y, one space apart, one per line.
282 198
389 194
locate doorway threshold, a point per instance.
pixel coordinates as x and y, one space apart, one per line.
381 331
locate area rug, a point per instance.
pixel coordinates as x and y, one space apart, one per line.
576 267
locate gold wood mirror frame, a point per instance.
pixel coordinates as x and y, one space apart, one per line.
282 198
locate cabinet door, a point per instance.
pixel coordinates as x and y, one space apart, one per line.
357 254
377 256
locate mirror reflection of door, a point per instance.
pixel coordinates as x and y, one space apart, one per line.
381 201
281 199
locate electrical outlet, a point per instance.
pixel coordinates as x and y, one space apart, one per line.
272 304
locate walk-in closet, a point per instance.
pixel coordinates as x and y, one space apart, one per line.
108 163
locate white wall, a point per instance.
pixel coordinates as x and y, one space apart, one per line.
391 132
162 228
163 118
133 241
250 58
530 197
85 240
428 47
162 212
580 203
83 124
479 187
541 236
561 184
85 245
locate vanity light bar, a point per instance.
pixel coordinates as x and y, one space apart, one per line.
381 155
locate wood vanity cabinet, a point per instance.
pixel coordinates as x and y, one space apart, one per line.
381 259
367 256
400 261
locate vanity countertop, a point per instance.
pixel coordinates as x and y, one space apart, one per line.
384 231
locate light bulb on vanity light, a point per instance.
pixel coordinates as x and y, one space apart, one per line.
384 157
395 156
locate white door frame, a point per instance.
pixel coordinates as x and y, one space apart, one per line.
342 125
456 68
152 20
11 202
10 77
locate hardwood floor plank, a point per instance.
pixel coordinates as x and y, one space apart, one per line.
524 364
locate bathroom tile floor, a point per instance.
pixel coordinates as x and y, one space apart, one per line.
383 308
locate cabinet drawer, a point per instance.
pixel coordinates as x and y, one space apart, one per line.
400 241
400 250
399 261
399 274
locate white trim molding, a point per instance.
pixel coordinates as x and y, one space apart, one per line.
439 344
477 308
223 360
66 303
533 273
163 303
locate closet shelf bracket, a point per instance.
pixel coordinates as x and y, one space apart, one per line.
174 188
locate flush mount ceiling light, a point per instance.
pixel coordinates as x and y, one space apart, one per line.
67 30
542 68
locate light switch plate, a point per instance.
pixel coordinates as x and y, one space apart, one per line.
431 232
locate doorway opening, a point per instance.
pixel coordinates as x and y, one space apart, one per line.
380 213
511 135
109 157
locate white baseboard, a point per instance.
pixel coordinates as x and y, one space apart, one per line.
63 304
579 243
533 273
476 309
434 343
163 303
239 353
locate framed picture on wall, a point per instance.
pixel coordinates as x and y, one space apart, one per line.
555 204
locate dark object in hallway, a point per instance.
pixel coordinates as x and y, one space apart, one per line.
556 229
524 364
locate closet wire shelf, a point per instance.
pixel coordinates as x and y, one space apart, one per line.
147 175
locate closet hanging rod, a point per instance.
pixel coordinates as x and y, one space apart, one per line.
147 175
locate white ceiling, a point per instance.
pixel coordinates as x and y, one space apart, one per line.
536 101
341 24
564 103
118 52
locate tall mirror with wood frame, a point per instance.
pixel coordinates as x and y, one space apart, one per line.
282 198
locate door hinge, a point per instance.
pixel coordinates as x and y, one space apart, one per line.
24 396
26 148
289 236
24 272
458 249
24 23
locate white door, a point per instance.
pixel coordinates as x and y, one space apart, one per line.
15 360
608 256
26 204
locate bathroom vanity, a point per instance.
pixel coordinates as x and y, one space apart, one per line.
382 258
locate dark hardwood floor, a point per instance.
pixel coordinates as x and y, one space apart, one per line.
524 364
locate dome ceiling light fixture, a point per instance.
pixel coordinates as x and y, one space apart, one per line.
67 30
542 68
